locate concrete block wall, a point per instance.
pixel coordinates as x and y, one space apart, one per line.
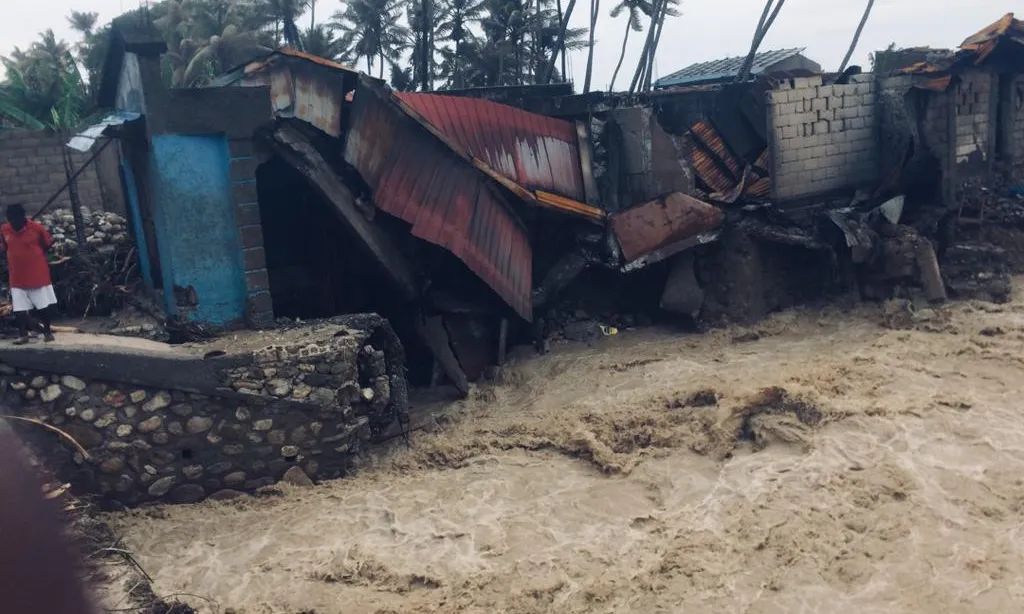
1016 140
259 307
32 170
934 130
974 97
823 136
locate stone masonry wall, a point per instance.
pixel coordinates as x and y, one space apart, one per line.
260 307
311 405
823 136
973 118
32 170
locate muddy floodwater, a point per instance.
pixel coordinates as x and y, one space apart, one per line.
818 462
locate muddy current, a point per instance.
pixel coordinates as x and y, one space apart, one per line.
842 461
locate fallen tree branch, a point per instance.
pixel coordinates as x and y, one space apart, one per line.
71 439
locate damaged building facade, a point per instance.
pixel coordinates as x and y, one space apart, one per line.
296 187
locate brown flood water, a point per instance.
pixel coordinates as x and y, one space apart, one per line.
885 473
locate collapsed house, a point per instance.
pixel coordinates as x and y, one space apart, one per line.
295 187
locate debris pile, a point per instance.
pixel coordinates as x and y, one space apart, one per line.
977 270
98 279
104 231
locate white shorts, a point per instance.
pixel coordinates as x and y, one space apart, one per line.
27 299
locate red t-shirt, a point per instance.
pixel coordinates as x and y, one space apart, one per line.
26 254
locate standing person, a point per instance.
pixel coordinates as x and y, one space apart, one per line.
26 242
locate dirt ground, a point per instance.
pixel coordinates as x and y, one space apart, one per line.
818 462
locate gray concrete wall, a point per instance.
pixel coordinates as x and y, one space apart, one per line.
823 137
32 170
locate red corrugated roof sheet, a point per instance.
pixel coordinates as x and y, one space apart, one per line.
416 177
537 152
985 41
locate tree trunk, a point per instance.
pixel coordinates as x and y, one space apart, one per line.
312 15
76 203
561 42
622 56
369 66
641 66
654 46
763 25
559 48
457 79
381 63
856 36
424 45
595 6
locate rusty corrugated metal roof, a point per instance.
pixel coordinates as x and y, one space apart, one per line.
417 177
984 42
301 85
537 152
662 222
715 165
302 55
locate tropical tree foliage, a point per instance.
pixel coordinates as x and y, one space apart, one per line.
419 44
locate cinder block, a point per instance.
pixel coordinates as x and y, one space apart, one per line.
790 132
857 123
811 164
240 147
245 192
255 258
819 104
794 95
778 96
248 214
257 281
252 236
821 127
244 168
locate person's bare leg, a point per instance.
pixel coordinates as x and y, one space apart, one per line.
46 319
22 318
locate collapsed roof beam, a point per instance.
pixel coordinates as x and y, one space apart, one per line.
300 154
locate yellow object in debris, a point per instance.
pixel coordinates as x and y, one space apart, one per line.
608 331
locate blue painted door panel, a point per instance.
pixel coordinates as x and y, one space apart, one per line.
197 233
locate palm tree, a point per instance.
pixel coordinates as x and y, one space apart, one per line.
281 16
634 9
560 47
320 41
83 23
768 15
233 46
660 11
460 17
595 8
371 30
425 18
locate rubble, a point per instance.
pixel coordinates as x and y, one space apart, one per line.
977 271
104 231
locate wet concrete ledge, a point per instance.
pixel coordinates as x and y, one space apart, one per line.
126 360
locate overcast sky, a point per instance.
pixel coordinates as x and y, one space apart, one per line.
706 30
